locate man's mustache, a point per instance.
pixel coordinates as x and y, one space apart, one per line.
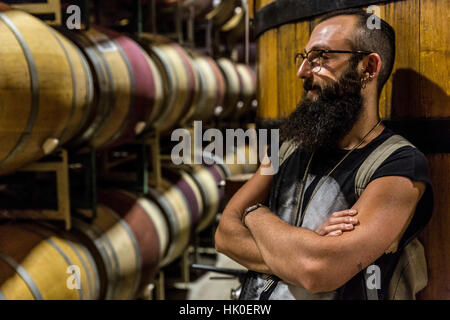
308 85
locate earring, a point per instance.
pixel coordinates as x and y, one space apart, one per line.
365 80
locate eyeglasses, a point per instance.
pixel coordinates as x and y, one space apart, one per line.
316 57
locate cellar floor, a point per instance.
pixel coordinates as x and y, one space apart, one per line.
210 285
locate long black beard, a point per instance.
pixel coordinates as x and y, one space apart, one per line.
322 123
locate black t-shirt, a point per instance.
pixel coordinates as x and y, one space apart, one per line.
337 192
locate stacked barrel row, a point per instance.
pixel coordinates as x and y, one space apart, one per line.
118 253
102 89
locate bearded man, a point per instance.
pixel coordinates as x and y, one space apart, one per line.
302 232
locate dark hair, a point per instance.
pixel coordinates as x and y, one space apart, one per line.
381 41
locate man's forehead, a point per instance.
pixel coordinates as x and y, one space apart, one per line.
334 33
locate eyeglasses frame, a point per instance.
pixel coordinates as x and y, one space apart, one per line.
305 55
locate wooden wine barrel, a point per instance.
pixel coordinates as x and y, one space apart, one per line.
244 160
248 90
115 250
414 101
128 87
210 181
175 207
234 29
45 89
179 78
233 88
36 263
222 12
238 53
146 87
211 159
212 87
220 178
187 186
148 225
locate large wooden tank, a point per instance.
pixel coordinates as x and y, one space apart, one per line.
414 101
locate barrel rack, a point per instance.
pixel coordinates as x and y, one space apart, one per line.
57 165
49 11
74 176
74 182
74 179
144 159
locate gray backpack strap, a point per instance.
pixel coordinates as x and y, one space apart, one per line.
365 172
286 149
375 159
410 275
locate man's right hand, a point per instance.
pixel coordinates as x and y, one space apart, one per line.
338 223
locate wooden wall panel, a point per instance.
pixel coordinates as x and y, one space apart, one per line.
267 56
302 29
436 235
287 46
384 108
279 89
434 58
267 75
419 85
402 92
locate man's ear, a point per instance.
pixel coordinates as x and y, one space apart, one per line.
372 65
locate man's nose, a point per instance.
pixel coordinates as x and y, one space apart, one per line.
305 70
